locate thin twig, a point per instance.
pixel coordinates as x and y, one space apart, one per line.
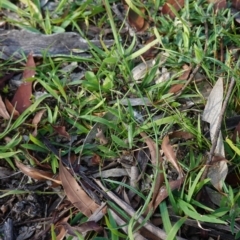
131 212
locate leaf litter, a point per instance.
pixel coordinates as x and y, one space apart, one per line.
103 164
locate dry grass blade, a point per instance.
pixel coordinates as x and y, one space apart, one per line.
75 193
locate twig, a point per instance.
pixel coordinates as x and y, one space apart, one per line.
131 212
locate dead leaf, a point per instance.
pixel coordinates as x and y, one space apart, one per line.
61 232
218 171
61 130
75 193
95 160
163 193
38 163
22 97
24 91
170 155
135 20
11 109
212 111
177 87
142 69
37 118
3 111
36 173
156 160
181 134
151 52
100 135
218 4
29 70
165 76
176 4
236 4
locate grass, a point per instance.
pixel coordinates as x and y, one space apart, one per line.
81 105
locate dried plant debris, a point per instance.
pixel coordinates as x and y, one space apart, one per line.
14 43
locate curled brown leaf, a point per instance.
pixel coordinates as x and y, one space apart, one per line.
169 153
36 173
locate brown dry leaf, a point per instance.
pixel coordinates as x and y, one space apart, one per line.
24 92
75 193
218 172
156 160
95 160
11 109
163 193
61 130
36 173
218 4
186 71
29 70
22 97
135 20
37 118
176 4
150 53
3 111
169 153
61 232
38 163
181 134
236 4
